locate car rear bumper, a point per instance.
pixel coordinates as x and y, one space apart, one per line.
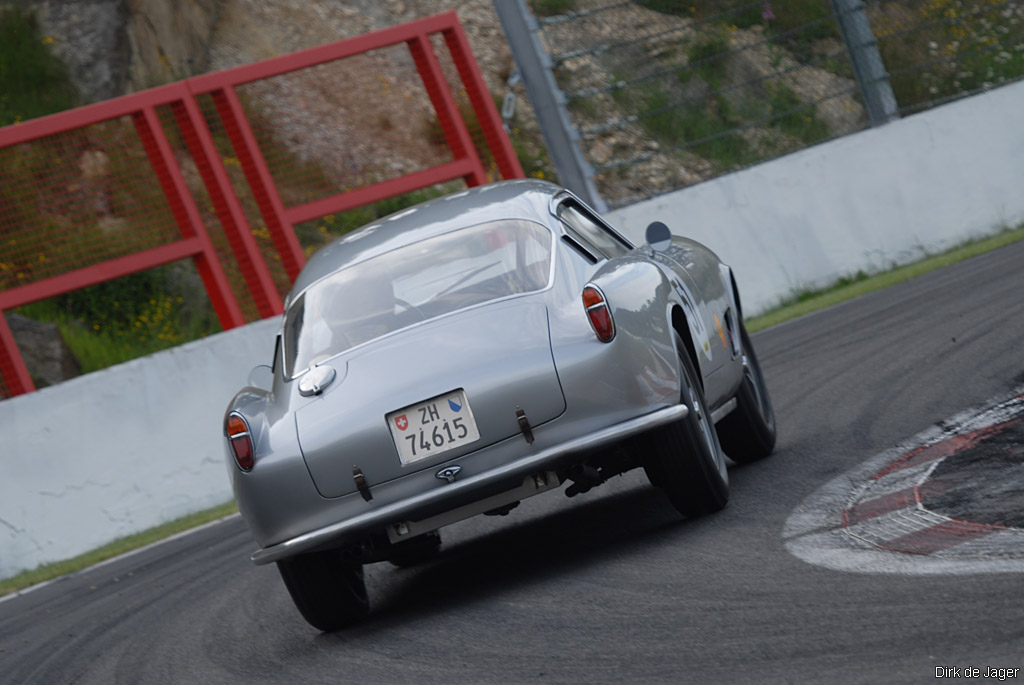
520 469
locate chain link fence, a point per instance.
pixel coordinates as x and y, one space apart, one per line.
668 93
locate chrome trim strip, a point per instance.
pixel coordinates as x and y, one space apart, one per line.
398 511
723 411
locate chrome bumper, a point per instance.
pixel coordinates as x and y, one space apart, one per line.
522 468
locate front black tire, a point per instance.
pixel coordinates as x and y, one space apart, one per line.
684 457
328 590
748 433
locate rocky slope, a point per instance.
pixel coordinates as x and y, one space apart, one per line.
368 118
114 47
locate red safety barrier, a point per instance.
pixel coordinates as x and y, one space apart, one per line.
176 196
66 204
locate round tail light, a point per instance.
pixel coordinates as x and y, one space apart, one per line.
240 438
598 312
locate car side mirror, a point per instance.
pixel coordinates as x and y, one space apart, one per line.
658 236
262 377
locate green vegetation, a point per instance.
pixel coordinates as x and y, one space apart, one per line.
547 8
129 317
708 125
706 59
945 47
932 49
698 109
794 117
121 546
682 126
33 82
799 23
805 301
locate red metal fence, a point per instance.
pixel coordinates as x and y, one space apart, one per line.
196 169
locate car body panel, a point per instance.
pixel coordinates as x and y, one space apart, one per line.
420 502
499 356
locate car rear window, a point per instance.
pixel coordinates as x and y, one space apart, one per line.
415 283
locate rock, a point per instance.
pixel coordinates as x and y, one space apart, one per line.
169 39
47 356
115 46
695 91
94 164
600 152
183 280
89 37
112 224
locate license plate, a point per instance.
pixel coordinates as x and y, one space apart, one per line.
424 430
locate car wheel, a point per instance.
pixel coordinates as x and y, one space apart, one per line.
419 550
748 433
328 591
684 457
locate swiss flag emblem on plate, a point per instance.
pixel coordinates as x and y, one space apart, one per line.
402 422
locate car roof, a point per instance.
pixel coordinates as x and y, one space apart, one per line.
520 199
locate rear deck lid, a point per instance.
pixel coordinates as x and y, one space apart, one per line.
429 394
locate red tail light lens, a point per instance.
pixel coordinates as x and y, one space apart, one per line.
598 312
240 438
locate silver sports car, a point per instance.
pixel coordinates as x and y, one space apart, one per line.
462 355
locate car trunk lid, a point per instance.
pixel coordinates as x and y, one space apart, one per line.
473 369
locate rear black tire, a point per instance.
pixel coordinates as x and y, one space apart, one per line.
684 457
328 590
748 433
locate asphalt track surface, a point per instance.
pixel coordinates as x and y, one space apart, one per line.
611 585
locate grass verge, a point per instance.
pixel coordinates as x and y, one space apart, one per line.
801 303
805 302
126 544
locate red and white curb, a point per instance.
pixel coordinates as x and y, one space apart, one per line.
875 519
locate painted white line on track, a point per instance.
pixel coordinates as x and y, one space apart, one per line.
119 557
825 529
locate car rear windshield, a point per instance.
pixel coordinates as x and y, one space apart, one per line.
415 283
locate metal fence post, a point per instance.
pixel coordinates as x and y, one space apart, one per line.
867 62
548 100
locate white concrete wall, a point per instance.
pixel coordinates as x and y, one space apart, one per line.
120 450
862 202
